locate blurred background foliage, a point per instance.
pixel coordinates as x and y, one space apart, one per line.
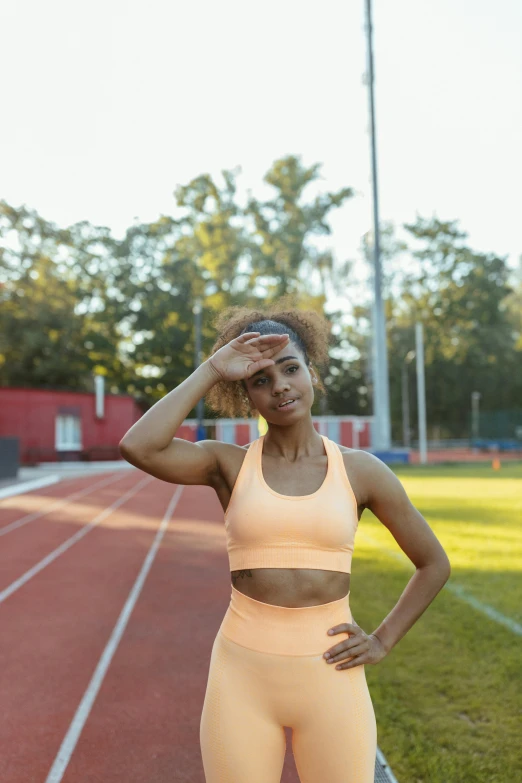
77 301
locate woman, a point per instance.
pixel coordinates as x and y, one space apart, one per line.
292 500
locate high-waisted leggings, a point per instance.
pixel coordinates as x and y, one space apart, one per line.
267 671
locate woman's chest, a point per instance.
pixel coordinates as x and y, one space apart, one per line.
295 479
298 480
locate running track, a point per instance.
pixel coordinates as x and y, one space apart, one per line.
112 589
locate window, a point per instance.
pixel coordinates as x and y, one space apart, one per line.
68 432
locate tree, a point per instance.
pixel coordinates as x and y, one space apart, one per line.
283 226
458 295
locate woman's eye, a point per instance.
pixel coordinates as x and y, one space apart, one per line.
292 366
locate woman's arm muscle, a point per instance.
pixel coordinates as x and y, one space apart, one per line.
387 499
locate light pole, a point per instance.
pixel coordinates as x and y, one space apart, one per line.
475 415
406 432
381 390
201 433
421 392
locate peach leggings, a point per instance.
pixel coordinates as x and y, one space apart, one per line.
266 672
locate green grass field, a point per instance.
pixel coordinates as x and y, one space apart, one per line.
448 697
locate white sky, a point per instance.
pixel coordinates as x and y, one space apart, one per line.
108 105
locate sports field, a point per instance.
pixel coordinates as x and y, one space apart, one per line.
448 698
113 587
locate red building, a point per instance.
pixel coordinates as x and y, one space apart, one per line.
65 425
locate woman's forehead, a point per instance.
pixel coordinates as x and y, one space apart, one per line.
290 351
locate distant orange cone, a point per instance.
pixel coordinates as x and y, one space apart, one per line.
496 463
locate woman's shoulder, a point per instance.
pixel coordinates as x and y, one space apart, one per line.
364 469
363 461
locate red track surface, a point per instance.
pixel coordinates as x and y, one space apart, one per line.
143 721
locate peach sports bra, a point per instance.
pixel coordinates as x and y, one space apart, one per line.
265 529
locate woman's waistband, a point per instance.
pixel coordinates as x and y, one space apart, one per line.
284 630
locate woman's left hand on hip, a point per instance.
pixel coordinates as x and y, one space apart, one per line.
358 649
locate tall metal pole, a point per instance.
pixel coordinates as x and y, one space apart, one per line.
405 407
200 434
406 430
421 392
475 416
381 391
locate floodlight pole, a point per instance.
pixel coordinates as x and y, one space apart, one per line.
196 309
381 391
421 392
475 399
406 431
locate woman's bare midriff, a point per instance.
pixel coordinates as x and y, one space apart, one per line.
291 587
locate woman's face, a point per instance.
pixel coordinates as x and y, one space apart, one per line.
289 377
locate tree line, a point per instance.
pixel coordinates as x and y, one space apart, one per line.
76 301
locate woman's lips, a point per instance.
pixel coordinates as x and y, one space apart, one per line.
290 405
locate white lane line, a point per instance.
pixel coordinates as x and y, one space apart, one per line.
59 503
488 610
27 486
454 588
82 713
14 586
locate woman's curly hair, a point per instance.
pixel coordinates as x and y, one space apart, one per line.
309 330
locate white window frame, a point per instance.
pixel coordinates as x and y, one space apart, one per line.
68 432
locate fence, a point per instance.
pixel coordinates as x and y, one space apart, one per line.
352 431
